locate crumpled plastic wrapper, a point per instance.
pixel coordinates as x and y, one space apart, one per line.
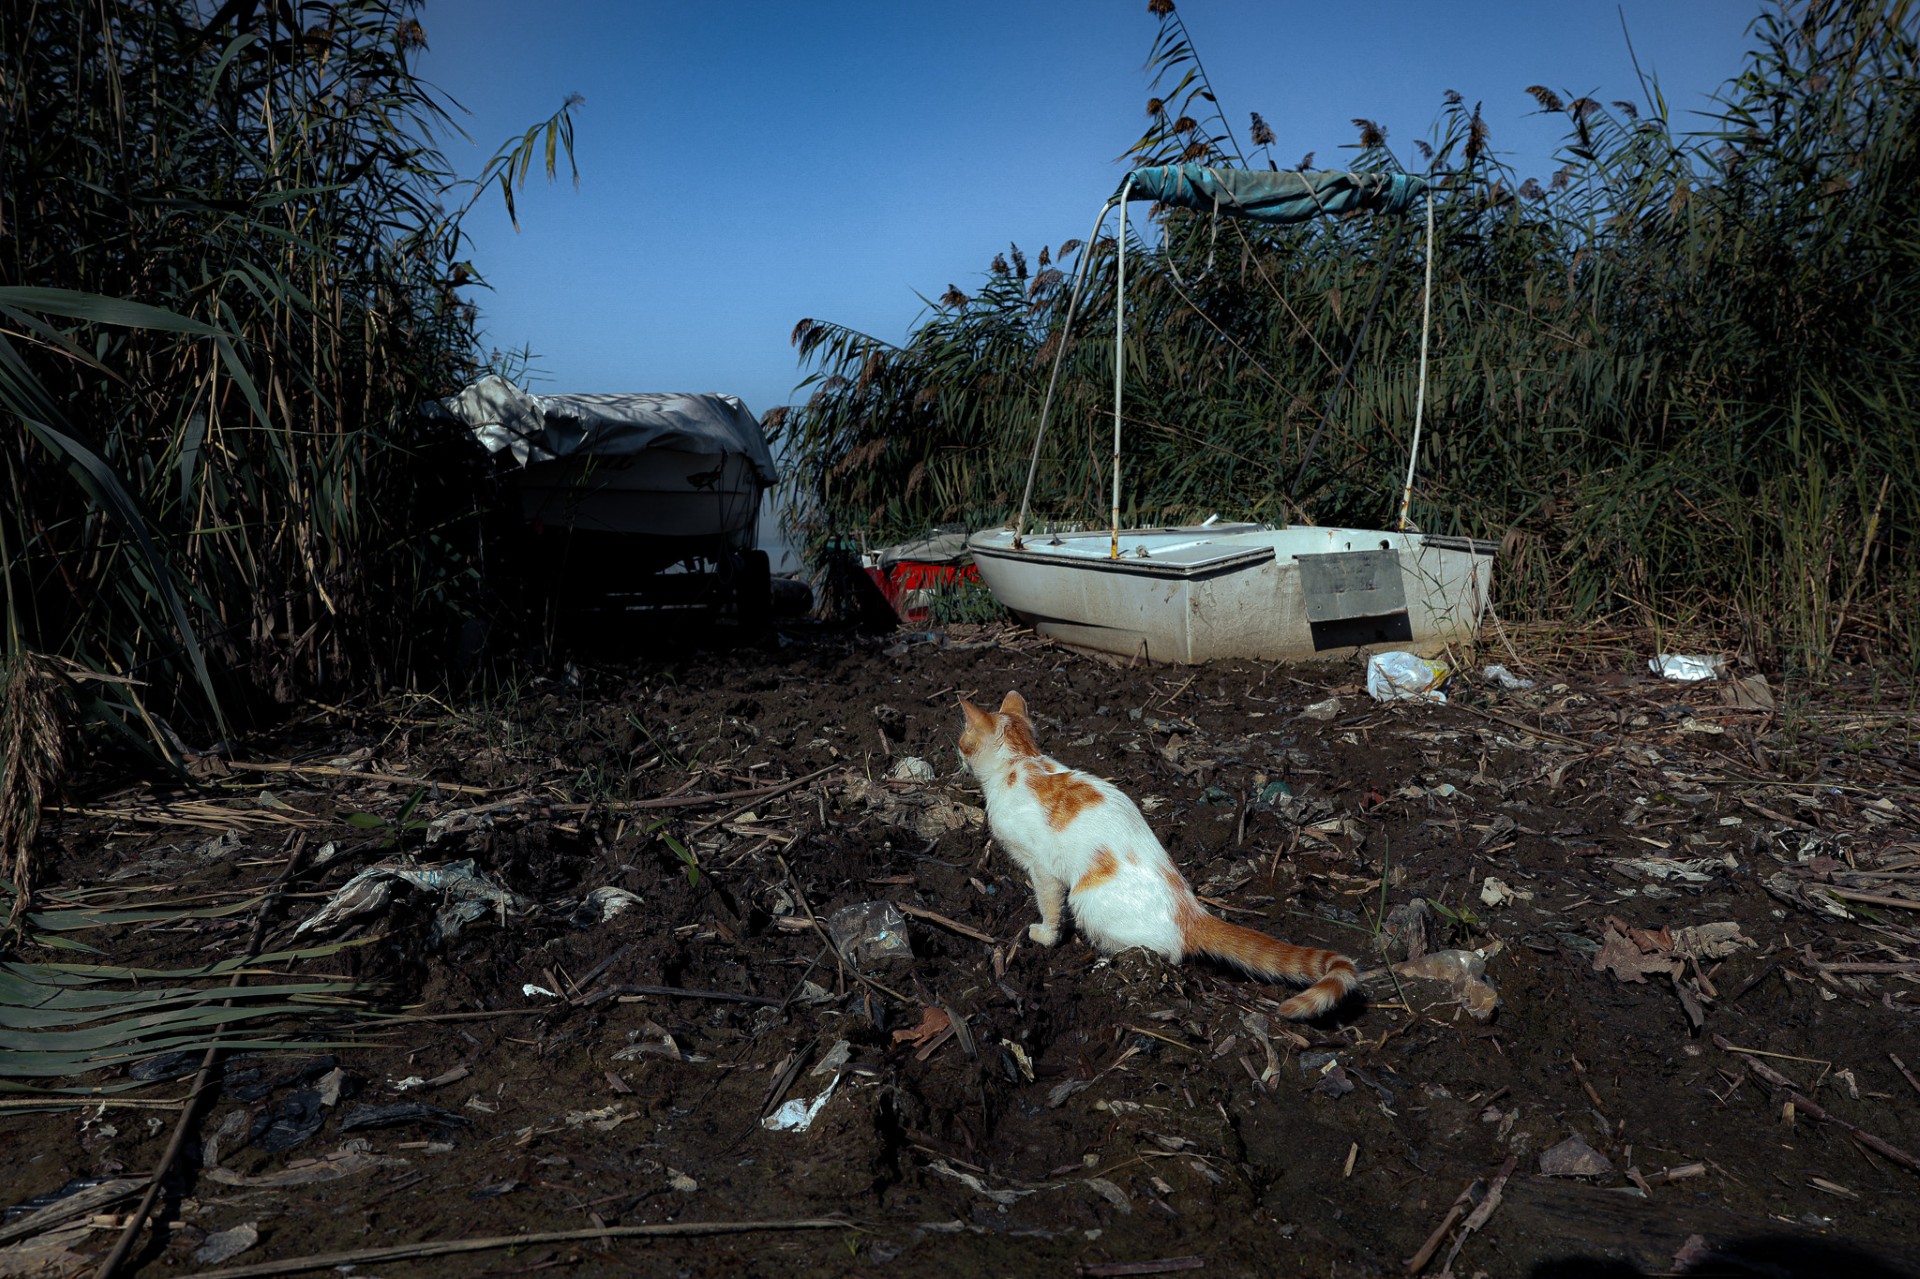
603 905
1465 971
466 895
1687 669
870 932
928 813
1393 677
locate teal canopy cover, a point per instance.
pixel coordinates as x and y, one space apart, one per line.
1273 197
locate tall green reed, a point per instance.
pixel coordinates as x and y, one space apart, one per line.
232 270
231 263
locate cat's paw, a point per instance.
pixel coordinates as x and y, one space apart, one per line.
1043 934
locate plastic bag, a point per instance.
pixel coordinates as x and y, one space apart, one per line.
1394 676
1686 668
870 932
1465 971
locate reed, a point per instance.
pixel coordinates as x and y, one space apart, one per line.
1674 376
233 268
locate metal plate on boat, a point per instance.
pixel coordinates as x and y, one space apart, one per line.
1346 584
1475 545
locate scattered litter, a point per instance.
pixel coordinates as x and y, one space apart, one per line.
461 821
223 1245
1314 1064
1465 970
1396 676
976 1185
80 1195
604 1119
603 904
51 1252
353 1157
1574 1158
912 769
1329 1076
1275 794
1824 880
1691 1255
174 1065
650 1039
398 1113
231 1128
797 1115
1711 941
1058 1094
1496 892
1748 693
927 812
1412 930
1687 669
441 1080
680 1182
870 932
835 1058
1323 711
466 895
530 990
1696 870
1497 674
288 1122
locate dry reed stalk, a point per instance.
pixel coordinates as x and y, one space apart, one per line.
32 764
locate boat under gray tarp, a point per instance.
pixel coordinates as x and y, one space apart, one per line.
545 428
615 489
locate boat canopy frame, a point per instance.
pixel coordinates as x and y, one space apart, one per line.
1278 198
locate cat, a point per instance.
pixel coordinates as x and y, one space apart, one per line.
1084 844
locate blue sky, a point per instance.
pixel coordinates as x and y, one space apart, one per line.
745 164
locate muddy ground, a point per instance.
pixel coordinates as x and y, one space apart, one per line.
1672 889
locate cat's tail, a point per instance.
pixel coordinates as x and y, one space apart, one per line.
1332 975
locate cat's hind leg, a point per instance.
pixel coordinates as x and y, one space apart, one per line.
1051 894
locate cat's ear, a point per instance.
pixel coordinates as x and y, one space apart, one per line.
1014 704
976 718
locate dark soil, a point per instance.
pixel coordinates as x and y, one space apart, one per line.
1078 1111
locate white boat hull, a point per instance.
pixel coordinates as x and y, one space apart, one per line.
1195 595
660 493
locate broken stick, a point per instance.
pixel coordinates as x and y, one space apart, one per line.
1814 1110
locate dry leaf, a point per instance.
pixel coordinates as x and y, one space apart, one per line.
932 1022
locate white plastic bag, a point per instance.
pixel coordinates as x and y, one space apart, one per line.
1688 669
1393 676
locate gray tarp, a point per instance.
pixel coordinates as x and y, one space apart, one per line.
1273 197
543 428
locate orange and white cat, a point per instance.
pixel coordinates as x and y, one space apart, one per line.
1085 845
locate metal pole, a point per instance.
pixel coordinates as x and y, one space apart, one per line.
1420 398
1119 354
1059 357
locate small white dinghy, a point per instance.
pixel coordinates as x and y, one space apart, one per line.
1191 595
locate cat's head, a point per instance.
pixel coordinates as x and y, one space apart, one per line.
989 733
